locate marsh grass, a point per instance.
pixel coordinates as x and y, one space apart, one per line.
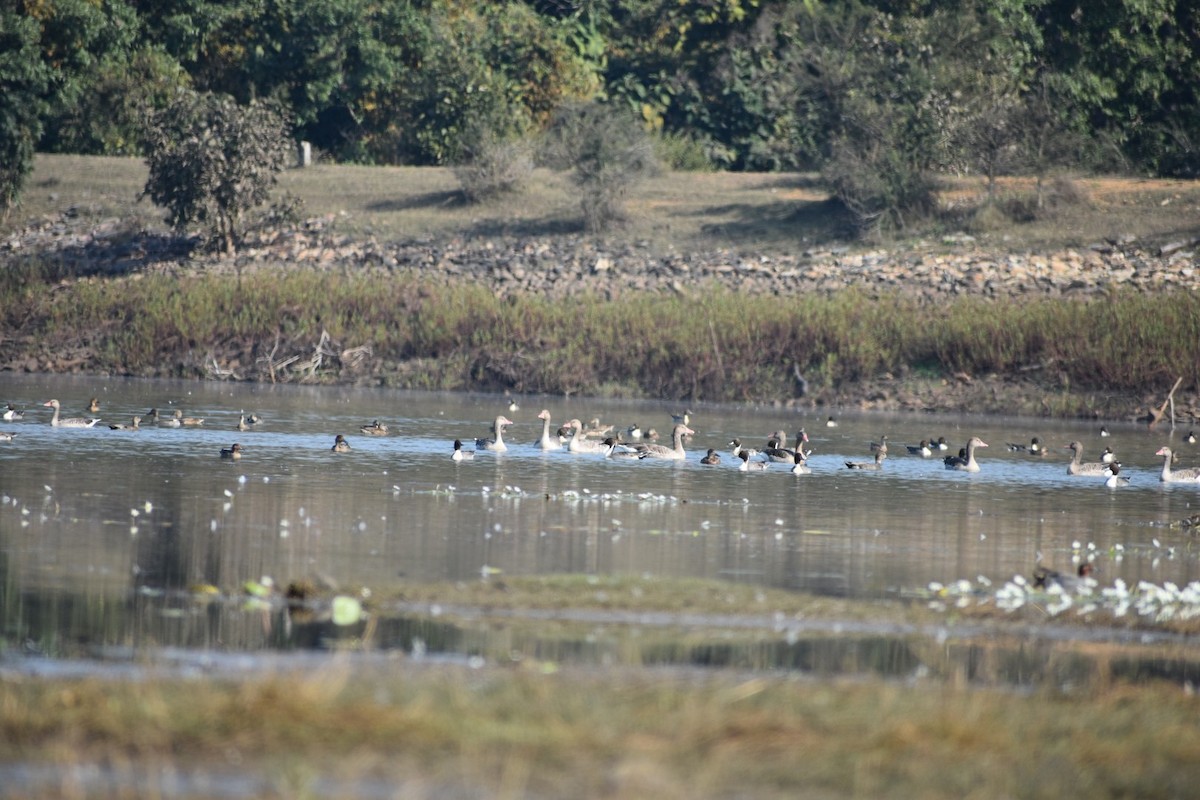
617 734
712 345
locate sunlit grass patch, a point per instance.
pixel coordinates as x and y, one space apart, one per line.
619 734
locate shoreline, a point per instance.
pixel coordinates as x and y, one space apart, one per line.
70 248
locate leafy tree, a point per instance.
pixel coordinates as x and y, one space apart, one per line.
107 118
24 82
609 152
212 160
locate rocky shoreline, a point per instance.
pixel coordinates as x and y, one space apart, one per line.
563 266
70 245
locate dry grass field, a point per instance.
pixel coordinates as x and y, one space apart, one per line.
680 211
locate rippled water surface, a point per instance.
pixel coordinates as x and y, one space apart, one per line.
101 531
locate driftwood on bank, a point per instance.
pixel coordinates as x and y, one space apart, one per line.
1156 414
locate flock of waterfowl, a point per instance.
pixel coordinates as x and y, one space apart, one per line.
634 443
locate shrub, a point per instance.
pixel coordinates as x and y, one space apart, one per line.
212 160
609 151
493 166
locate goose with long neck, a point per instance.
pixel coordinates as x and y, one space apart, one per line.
68 422
579 442
966 463
673 453
495 442
548 441
1168 475
1079 467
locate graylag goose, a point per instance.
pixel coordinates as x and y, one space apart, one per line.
579 442
1168 475
68 422
460 454
1079 467
673 453
495 442
966 463
340 445
548 441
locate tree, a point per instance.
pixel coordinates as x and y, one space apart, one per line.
24 82
212 160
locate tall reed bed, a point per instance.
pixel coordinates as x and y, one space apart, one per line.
712 344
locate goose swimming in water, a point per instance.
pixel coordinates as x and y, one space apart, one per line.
1079 467
495 442
1168 475
579 441
68 422
548 441
673 453
967 463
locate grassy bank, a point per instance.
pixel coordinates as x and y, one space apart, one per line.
712 345
429 732
1107 355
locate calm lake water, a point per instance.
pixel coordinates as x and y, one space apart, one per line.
102 532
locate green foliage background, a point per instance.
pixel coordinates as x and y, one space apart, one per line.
753 84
